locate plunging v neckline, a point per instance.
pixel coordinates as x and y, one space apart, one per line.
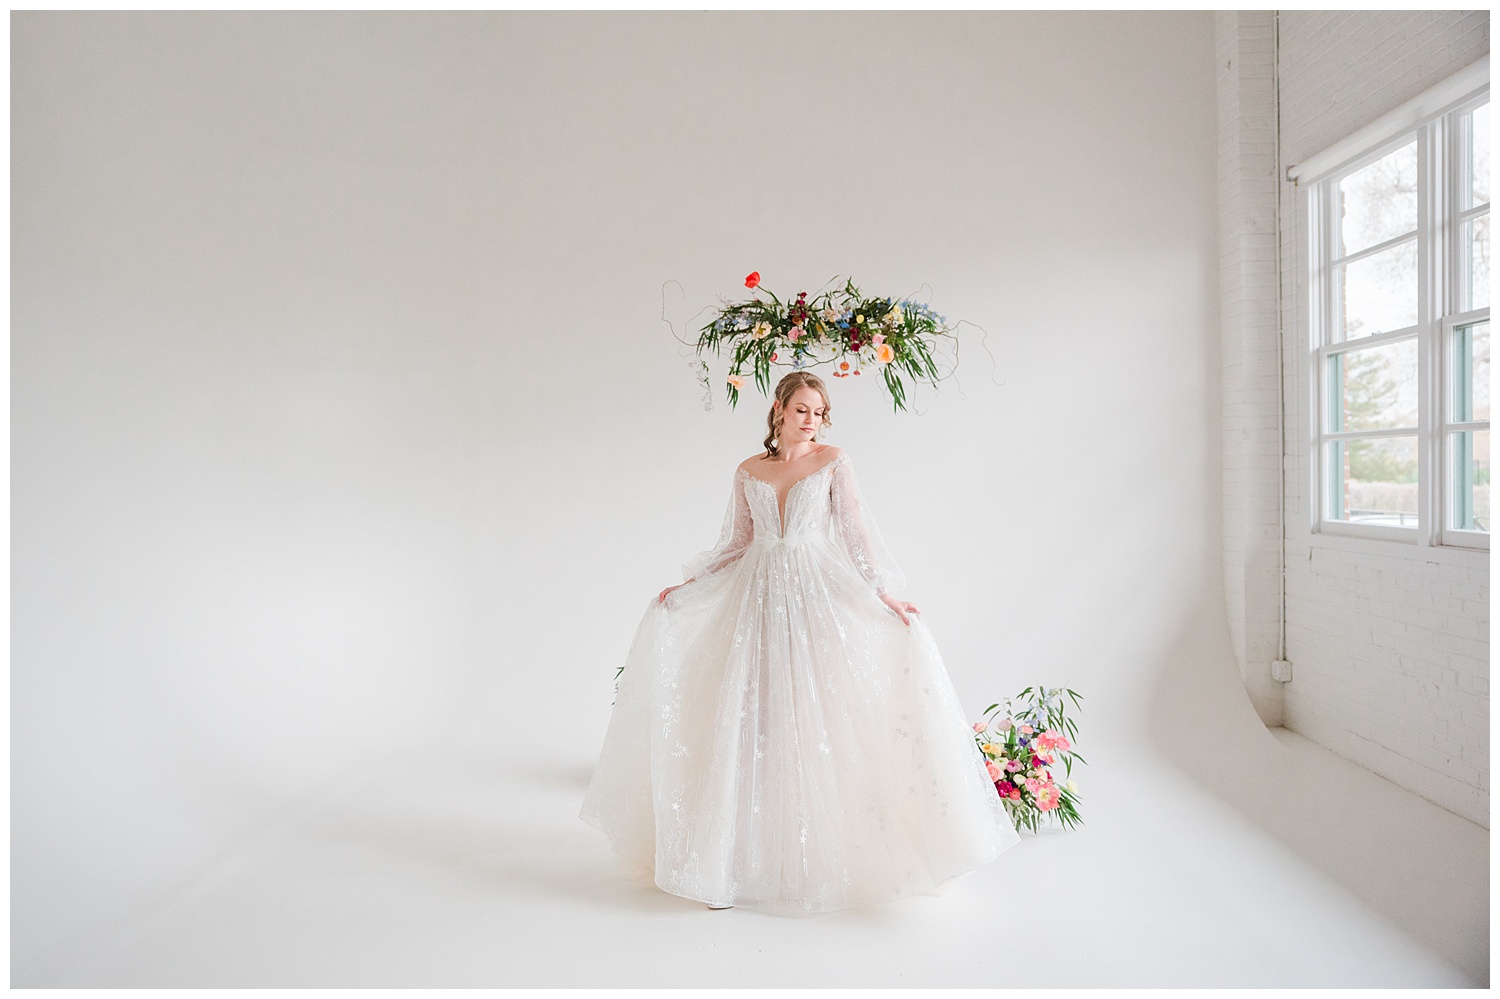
781 501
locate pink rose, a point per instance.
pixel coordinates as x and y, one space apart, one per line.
980 726
994 771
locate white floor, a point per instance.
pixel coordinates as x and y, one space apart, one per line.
464 871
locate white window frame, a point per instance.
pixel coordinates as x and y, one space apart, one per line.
1431 120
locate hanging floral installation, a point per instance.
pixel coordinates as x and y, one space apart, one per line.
843 327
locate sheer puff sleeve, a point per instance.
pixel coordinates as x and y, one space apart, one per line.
734 537
854 531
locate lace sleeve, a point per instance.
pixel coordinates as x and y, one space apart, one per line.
855 531
734 537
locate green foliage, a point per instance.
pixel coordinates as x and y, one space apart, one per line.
843 327
1370 398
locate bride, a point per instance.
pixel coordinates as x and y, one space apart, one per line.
785 735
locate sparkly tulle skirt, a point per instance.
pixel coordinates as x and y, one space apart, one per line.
781 740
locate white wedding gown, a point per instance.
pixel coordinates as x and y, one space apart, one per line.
779 738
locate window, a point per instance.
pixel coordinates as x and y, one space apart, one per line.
1400 296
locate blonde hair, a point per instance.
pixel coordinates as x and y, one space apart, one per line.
785 389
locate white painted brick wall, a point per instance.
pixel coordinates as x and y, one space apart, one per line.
1390 643
1244 43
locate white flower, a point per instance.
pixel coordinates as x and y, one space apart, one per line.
762 330
1072 785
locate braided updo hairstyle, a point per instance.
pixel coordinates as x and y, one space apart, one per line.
785 389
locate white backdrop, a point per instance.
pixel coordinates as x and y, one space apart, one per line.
345 420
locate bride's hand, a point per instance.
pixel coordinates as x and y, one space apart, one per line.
662 597
901 607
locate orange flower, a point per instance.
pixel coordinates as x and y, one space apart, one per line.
884 354
843 365
736 381
753 279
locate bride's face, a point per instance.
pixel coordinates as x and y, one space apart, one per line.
804 416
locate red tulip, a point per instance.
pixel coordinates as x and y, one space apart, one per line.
753 279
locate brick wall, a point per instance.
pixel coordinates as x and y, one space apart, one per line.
1244 43
1389 642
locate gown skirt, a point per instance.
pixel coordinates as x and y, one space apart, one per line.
780 739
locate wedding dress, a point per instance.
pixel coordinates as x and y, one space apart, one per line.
779 738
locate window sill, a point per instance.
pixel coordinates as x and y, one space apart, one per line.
1392 545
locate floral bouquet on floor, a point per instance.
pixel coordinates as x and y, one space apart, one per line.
1021 744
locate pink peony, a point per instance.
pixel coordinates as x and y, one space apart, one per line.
1034 785
1013 765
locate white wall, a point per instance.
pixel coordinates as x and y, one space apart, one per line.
344 417
1389 644
1244 45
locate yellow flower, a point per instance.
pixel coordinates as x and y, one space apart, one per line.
762 330
884 354
990 747
894 316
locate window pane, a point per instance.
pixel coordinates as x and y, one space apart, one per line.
1379 201
1373 481
1474 286
1471 480
1471 373
1379 293
1374 388
1477 189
